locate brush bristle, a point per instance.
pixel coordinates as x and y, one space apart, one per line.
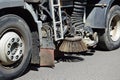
73 46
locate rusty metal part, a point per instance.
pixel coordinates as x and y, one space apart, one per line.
47 57
73 45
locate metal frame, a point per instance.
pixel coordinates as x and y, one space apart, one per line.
56 27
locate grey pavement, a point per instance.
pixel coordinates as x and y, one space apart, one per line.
102 65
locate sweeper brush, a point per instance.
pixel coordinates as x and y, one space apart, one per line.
73 45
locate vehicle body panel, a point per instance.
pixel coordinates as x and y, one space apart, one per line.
11 3
97 17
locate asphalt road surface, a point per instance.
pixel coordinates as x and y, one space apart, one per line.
101 65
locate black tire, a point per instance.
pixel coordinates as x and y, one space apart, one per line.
13 23
110 40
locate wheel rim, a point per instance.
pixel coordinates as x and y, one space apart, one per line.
115 28
11 48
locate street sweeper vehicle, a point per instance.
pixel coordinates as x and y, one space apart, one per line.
35 30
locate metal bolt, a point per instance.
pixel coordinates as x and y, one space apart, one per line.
20 51
12 57
13 39
17 57
8 52
21 44
9 45
18 39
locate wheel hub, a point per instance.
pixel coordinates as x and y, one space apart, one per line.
115 28
11 48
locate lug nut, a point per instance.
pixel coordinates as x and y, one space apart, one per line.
20 44
20 51
17 57
8 53
12 57
13 39
9 45
18 39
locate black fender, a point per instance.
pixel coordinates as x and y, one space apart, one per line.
11 3
97 17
